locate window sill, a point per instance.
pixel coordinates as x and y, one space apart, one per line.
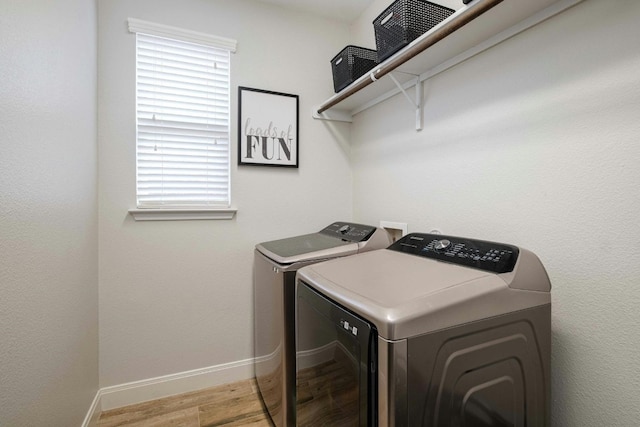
181 214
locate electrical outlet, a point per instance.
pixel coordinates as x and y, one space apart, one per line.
395 229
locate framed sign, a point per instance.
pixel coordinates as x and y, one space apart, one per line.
267 128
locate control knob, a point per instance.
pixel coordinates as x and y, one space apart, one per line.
442 244
344 229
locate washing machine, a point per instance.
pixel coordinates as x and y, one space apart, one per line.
275 266
432 331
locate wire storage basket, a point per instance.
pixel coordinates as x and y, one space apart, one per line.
351 63
403 22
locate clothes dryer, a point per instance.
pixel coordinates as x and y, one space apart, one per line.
433 331
275 266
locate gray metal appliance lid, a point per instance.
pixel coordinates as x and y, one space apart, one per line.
337 239
405 295
305 247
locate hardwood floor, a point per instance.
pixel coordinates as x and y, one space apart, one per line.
330 385
236 404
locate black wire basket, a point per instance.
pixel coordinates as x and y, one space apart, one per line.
403 22
351 63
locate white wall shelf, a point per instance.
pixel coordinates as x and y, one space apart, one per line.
468 32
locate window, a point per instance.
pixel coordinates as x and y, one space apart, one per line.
182 118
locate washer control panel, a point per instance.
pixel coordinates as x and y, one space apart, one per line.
490 256
349 231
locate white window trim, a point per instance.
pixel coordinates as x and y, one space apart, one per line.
160 30
181 214
159 214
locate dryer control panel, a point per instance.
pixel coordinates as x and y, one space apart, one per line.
490 256
349 231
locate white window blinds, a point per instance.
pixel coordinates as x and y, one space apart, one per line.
182 92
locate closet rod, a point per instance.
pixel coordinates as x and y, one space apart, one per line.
455 21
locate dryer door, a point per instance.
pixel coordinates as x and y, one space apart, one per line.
336 364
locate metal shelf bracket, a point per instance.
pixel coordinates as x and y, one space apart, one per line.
415 103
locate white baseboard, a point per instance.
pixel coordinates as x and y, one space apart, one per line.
167 385
91 420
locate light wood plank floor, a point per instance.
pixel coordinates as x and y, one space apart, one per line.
236 404
327 385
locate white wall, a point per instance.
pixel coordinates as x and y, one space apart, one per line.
535 143
48 212
177 296
532 143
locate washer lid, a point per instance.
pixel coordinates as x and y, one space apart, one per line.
335 240
405 295
306 247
